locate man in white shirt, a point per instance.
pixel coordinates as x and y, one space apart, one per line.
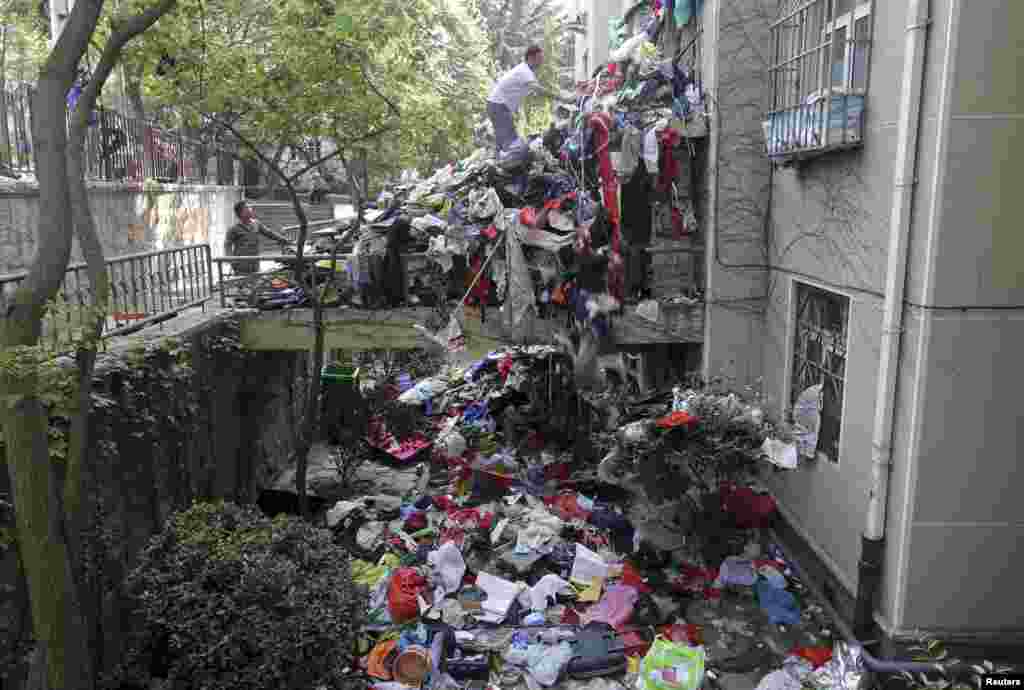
508 94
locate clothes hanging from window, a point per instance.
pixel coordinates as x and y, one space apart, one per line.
669 139
600 124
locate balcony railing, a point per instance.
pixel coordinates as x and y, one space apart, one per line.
144 289
120 148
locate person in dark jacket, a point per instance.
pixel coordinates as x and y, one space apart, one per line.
243 239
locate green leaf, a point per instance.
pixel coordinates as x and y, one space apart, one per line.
344 23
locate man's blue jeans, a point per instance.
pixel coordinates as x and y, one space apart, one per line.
504 127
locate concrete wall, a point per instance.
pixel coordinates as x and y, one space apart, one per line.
952 524
130 219
830 229
965 328
734 64
174 420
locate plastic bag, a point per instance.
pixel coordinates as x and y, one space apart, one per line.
671 666
403 592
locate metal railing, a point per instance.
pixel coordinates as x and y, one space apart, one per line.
144 288
119 148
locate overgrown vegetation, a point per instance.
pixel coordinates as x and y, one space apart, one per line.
228 598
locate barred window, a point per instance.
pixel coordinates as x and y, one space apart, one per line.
819 358
818 76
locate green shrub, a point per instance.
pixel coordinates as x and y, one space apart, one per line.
231 599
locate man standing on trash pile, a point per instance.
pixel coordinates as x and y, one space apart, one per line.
508 94
243 239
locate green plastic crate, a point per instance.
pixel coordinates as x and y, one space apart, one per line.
339 373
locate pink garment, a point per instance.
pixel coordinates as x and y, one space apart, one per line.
615 607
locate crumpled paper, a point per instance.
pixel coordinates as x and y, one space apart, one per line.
447 569
845 671
790 677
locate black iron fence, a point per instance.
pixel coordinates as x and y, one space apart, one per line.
119 148
144 288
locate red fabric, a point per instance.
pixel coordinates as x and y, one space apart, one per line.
505 366
694 579
679 230
685 633
528 216
403 590
483 286
818 656
490 233
416 522
631 576
668 138
557 470
749 509
634 644
601 124
567 507
676 419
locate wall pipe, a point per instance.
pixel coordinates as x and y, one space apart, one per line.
870 569
872 663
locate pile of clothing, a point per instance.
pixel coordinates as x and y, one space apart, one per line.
518 566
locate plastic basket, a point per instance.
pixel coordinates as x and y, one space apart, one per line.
339 373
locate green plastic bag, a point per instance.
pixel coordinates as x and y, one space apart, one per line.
671 666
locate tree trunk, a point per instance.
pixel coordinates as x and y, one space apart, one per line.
56 613
49 499
133 87
311 418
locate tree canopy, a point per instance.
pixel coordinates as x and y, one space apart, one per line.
349 71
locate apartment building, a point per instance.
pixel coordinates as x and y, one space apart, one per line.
862 236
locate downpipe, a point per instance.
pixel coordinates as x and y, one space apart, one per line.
871 662
870 566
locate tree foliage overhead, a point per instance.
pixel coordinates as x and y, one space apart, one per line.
512 25
285 71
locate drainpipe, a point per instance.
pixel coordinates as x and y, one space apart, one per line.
872 663
869 573
712 12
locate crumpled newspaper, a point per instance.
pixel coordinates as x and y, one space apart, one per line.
845 671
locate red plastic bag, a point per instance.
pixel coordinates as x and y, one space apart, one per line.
818 656
528 216
403 590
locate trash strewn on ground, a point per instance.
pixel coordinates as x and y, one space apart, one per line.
551 549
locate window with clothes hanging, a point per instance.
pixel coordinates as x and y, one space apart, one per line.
820 328
820 55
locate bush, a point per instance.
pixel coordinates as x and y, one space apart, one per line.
231 599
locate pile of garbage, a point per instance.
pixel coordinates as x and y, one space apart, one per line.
555 548
560 220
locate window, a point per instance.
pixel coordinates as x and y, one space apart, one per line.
819 77
819 357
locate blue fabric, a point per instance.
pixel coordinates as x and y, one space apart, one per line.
602 518
778 604
475 411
